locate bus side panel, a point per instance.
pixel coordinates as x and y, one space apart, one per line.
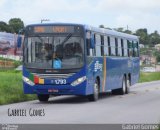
116 68
94 70
112 78
135 70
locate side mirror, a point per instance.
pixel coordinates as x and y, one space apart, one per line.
21 31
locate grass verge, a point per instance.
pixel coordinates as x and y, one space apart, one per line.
147 77
11 89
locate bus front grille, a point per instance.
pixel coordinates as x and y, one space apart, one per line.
53 76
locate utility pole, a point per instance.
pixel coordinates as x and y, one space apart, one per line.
42 20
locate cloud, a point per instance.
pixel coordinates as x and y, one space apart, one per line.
128 5
111 13
2 3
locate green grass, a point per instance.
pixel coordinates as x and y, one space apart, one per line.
11 89
147 77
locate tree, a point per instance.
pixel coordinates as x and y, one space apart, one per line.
119 29
4 27
154 38
16 24
157 55
144 39
158 58
128 31
101 26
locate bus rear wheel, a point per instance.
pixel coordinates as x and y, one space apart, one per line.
43 97
128 83
122 90
95 95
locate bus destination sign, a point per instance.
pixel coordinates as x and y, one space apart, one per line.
53 29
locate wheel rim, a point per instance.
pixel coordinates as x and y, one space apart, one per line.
124 86
96 91
128 86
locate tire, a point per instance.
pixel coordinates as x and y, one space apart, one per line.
128 84
43 97
122 90
95 95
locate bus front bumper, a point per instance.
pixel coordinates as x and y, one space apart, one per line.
55 89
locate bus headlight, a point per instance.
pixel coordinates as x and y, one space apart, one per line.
78 81
28 81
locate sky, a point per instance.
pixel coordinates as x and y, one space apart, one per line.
111 13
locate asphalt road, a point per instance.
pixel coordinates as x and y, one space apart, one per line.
142 105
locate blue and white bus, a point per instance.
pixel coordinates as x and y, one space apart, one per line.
75 59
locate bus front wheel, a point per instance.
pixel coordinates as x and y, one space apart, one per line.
43 97
95 95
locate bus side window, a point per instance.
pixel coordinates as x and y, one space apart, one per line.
109 46
105 46
122 46
98 45
112 43
125 48
130 48
90 41
116 46
102 45
119 47
135 49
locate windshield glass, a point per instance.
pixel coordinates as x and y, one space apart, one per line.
57 52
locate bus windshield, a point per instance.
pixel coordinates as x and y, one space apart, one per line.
54 52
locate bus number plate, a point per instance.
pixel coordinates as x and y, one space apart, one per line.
60 81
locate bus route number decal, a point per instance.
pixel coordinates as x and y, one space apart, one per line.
97 66
60 81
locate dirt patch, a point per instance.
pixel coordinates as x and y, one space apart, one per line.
6 64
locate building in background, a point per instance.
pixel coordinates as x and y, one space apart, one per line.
9 45
157 47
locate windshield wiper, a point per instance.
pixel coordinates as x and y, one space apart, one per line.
66 38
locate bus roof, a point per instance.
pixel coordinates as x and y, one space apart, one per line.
95 29
112 32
